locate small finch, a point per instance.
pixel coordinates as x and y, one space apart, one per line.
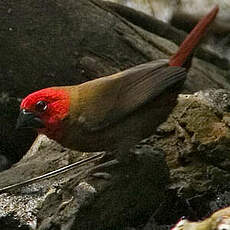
113 112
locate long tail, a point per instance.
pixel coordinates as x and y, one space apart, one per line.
193 39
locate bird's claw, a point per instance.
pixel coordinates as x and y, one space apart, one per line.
96 171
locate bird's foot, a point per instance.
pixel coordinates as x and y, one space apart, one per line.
107 156
98 171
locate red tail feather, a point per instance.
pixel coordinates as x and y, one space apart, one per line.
193 39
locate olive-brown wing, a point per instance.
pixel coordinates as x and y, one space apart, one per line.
106 100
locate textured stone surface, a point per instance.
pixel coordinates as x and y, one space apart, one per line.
195 139
126 197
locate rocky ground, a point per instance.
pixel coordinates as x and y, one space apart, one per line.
181 170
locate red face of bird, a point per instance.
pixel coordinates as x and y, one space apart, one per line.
44 110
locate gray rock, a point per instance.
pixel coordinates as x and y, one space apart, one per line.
77 198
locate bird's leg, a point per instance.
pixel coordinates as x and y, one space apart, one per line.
122 151
107 156
118 158
126 150
99 171
103 163
122 155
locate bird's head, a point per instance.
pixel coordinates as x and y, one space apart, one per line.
44 111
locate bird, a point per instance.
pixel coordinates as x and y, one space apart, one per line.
115 112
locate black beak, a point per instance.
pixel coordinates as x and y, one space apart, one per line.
27 119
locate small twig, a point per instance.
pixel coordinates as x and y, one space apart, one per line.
50 174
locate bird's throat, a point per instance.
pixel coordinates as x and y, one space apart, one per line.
55 132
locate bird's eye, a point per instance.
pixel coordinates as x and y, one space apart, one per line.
41 106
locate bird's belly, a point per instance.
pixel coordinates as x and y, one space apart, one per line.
126 132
